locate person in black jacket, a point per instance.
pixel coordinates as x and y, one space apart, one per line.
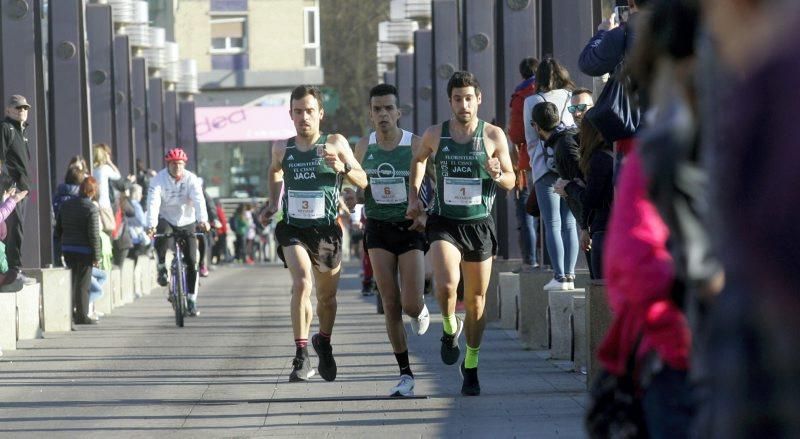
78 229
15 155
594 192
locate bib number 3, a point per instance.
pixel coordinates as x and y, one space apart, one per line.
306 204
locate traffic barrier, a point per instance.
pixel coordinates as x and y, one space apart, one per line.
56 297
509 299
28 319
560 307
533 301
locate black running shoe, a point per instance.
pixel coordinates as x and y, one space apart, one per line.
470 386
191 310
327 365
162 276
301 370
450 350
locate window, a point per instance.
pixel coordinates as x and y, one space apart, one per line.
228 34
311 36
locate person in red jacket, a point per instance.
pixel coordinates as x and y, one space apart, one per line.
521 161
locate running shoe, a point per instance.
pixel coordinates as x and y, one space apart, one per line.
301 370
191 310
324 350
450 351
420 324
470 385
203 271
366 289
162 276
404 388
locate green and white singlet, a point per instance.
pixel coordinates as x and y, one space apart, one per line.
464 190
387 171
310 187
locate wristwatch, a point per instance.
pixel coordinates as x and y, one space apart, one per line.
347 168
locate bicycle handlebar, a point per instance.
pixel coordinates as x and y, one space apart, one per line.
177 234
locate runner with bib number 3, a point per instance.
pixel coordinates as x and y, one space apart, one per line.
471 160
310 168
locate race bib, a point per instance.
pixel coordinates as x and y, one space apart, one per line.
388 190
462 191
306 204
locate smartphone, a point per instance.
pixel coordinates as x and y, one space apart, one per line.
622 13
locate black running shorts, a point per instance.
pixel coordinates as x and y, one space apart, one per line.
395 238
323 243
475 239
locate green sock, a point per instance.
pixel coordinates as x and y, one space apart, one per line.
450 324
471 358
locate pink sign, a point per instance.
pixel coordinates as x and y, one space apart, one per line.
242 124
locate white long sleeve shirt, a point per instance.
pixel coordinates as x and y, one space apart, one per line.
561 98
179 202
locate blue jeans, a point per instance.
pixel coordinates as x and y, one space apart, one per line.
96 288
526 225
560 232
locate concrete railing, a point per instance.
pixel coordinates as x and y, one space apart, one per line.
45 307
570 324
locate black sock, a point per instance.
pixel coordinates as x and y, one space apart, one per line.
301 352
402 361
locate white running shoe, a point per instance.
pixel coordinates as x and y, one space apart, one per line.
420 324
404 388
557 285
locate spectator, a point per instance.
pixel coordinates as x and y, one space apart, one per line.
139 238
64 192
246 233
526 224
99 277
220 249
203 243
561 237
15 153
581 102
595 194
77 226
104 170
10 199
143 177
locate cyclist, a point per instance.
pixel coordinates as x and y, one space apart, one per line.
175 203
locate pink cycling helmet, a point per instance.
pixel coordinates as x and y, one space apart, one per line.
176 154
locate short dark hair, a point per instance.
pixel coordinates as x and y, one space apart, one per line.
545 116
383 90
462 79
302 91
74 175
581 91
527 67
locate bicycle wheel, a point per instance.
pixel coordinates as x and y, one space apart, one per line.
180 296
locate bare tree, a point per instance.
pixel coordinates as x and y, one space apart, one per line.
349 35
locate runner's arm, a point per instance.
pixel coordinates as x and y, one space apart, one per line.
357 176
275 177
507 177
419 159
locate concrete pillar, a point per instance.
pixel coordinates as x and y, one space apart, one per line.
446 53
573 26
170 120
533 302
8 321
598 320
560 328
492 307
423 80
125 156
56 298
126 281
479 51
390 77
139 111
509 300
187 135
22 73
28 324
405 89
99 32
579 335
516 46
155 122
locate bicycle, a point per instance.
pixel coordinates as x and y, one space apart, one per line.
177 288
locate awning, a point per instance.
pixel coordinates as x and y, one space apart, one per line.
243 124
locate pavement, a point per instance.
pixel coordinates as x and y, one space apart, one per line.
225 374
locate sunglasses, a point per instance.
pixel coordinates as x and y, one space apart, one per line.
22 107
576 108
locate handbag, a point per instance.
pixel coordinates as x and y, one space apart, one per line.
107 221
614 113
615 409
532 204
